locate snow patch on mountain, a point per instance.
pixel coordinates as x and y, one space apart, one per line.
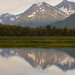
17 17
12 19
39 4
69 12
32 15
67 6
42 10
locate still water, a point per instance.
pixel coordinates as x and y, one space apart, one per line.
37 61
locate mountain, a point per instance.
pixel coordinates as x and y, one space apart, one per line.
40 14
68 22
8 18
67 6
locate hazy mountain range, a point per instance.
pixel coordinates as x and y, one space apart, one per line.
68 22
8 18
41 14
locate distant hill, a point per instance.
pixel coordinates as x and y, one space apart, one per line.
68 22
7 18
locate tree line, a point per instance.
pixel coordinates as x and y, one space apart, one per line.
9 30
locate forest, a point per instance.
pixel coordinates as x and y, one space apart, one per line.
13 30
44 37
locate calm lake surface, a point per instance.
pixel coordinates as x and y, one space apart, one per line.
37 61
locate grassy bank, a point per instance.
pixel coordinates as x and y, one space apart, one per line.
44 42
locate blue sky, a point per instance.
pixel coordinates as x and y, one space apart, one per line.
18 6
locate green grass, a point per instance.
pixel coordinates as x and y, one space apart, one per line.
43 42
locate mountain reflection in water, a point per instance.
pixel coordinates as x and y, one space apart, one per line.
37 61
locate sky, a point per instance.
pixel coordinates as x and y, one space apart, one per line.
19 6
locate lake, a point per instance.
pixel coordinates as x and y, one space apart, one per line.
37 61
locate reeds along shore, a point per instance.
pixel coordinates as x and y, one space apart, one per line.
41 42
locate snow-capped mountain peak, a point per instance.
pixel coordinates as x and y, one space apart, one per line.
40 14
67 6
39 4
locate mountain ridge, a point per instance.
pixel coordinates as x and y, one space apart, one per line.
69 22
67 6
40 14
8 18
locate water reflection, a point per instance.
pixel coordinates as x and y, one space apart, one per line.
36 61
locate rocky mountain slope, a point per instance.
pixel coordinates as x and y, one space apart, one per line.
67 6
40 14
68 22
